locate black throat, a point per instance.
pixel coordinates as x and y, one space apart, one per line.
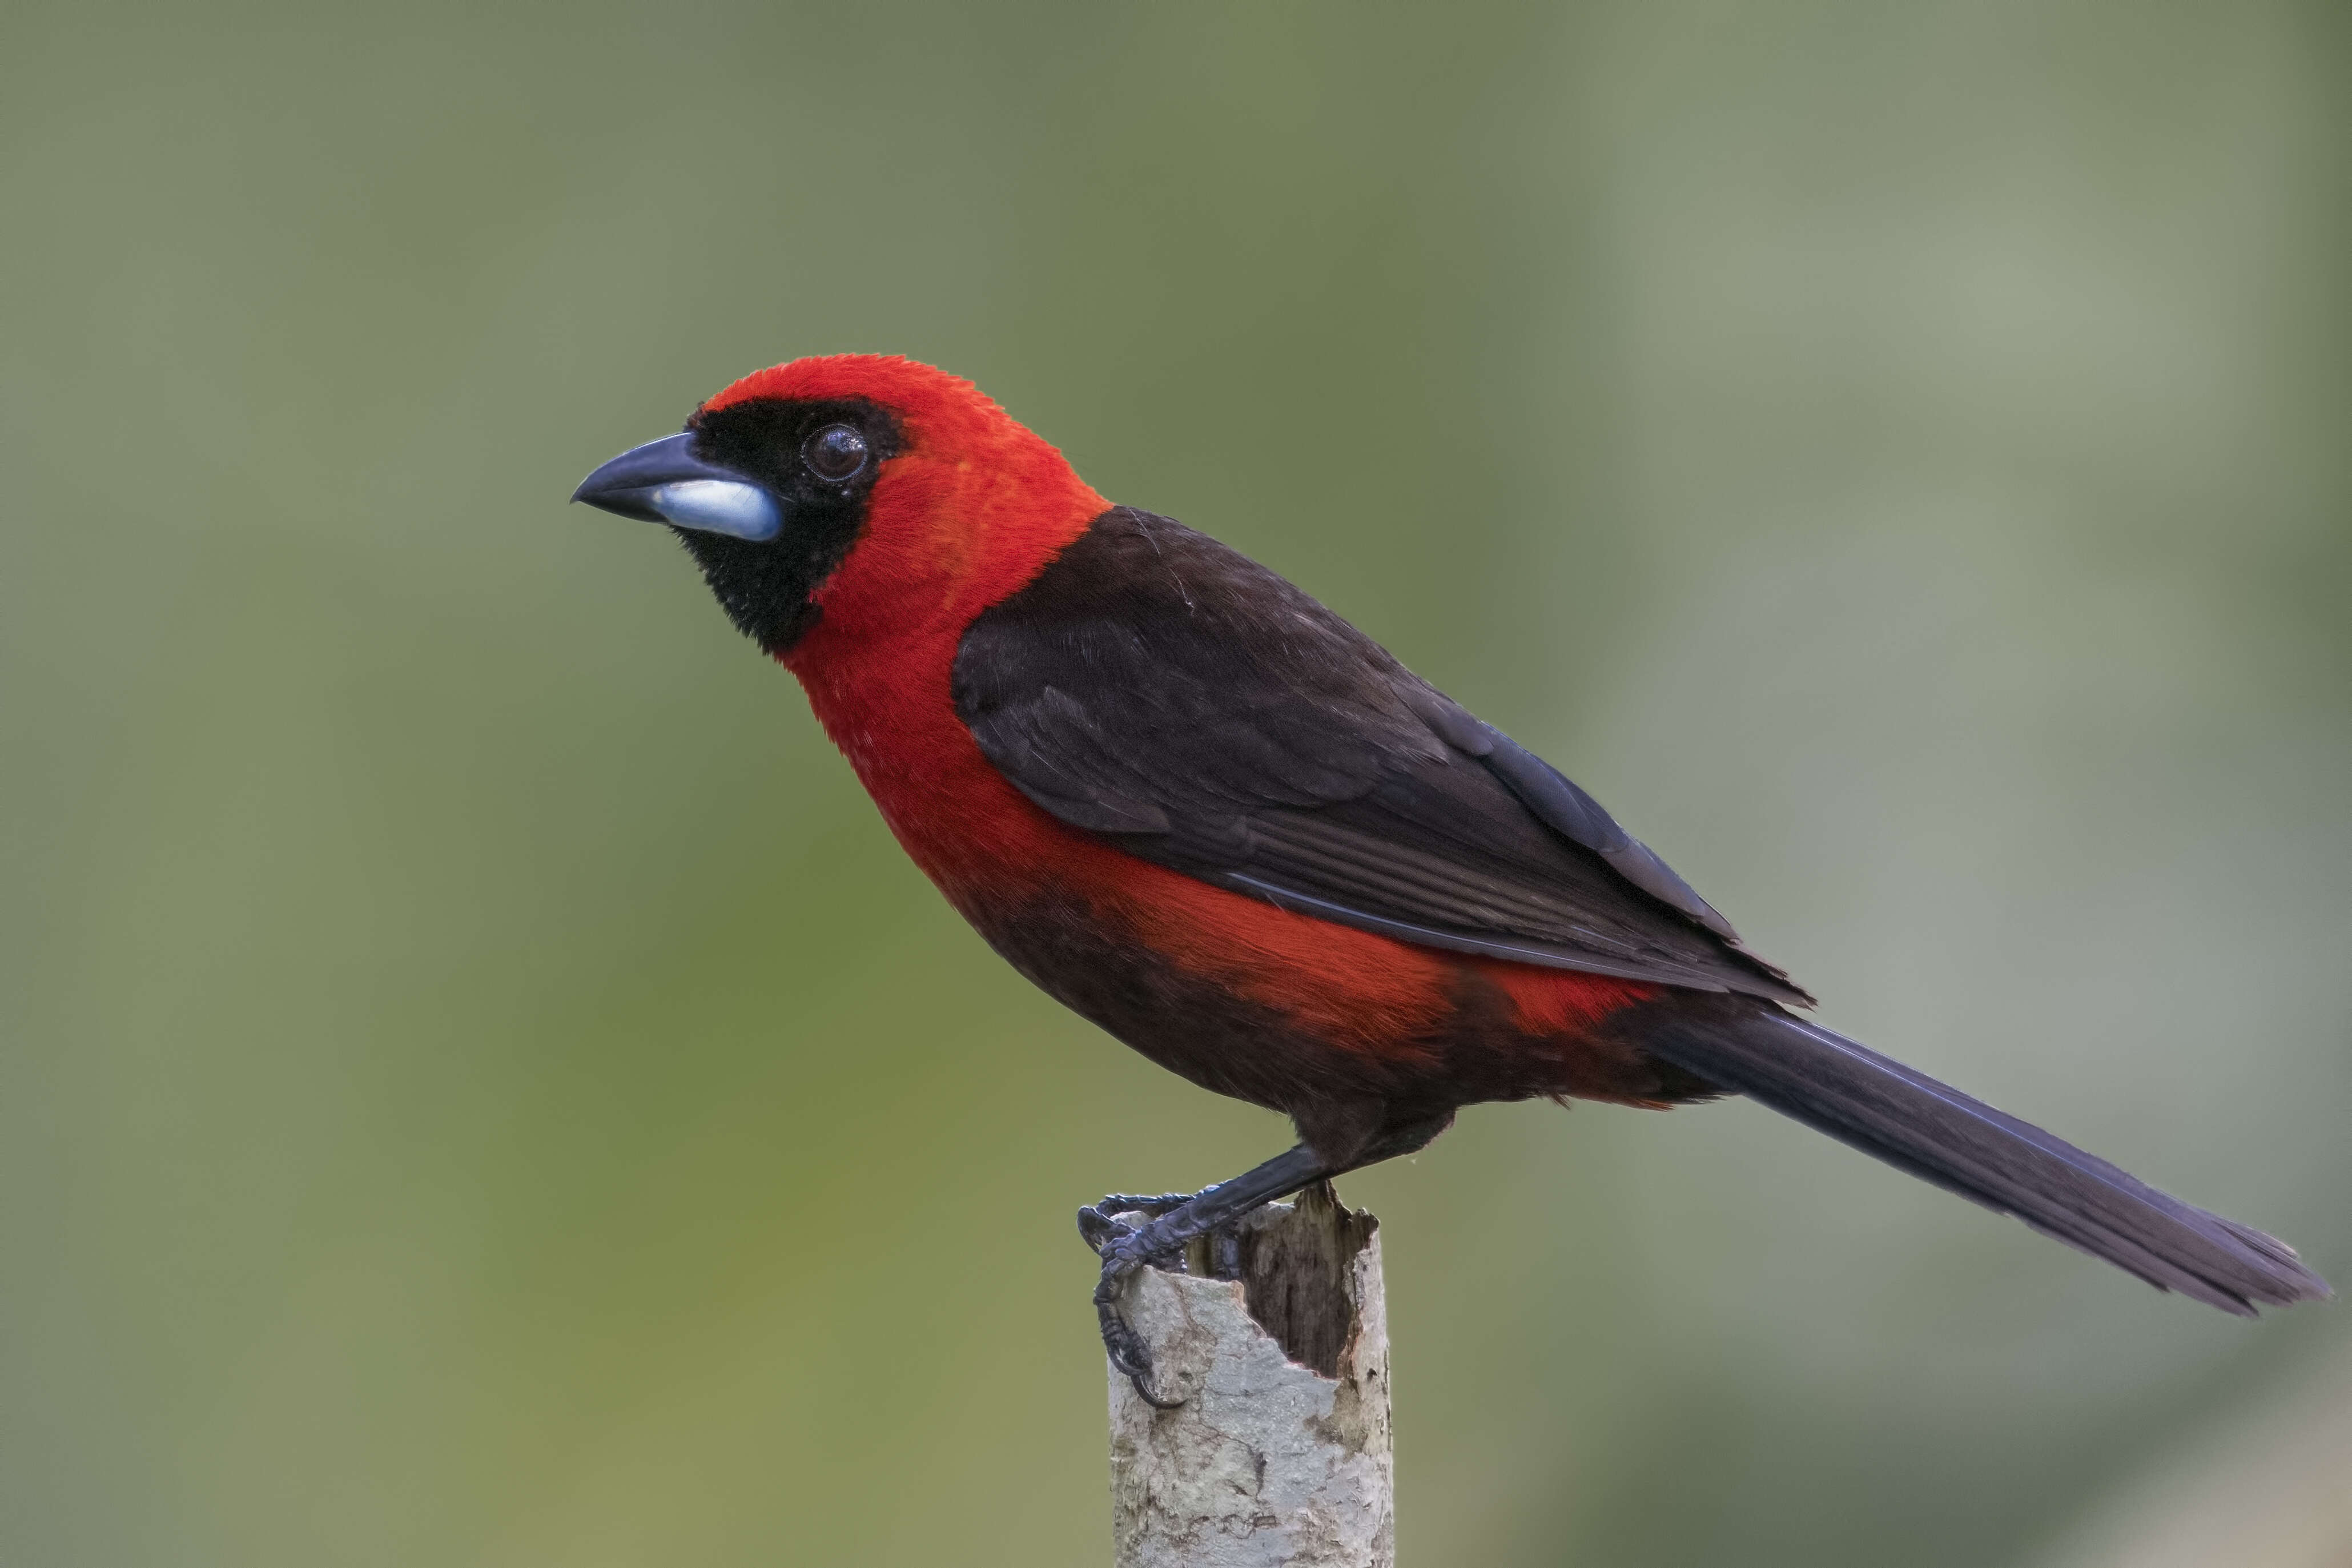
765 587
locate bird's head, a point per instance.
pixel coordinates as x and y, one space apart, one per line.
852 498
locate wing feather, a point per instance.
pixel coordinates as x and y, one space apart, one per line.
1166 692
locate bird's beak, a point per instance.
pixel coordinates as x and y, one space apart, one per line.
664 481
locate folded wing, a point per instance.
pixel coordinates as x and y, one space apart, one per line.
1166 692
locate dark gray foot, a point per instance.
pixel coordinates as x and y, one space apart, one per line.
1176 1220
1099 1226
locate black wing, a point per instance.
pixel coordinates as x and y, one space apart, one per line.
1156 688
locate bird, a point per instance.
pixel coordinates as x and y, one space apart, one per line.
1208 815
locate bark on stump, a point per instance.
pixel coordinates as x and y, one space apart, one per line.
1277 1339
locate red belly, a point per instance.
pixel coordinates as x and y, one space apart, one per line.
1278 1008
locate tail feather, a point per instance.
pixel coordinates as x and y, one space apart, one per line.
1938 1133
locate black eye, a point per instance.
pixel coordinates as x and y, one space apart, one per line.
834 453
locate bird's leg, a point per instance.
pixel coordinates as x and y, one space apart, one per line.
1125 1249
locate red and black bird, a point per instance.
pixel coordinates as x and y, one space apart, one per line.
1207 814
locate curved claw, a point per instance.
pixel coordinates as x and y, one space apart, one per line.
1143 1392
1098 1230
1130 1356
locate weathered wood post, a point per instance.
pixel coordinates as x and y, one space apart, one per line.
1277 1339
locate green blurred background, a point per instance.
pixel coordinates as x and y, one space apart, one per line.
481 1086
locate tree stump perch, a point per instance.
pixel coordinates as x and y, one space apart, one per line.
1276 1337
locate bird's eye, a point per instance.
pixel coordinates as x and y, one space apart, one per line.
834 453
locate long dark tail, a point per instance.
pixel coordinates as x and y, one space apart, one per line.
1938 1134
